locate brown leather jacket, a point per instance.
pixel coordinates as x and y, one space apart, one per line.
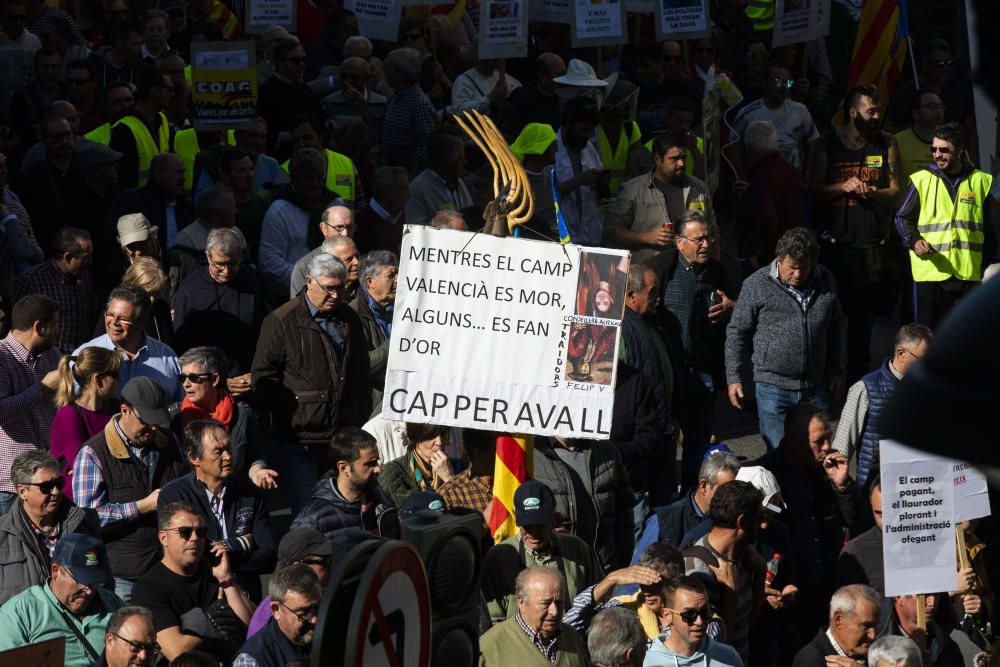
310 387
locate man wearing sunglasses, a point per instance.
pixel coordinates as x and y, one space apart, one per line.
688 642
73 604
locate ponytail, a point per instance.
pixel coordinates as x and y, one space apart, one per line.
66 392
89 362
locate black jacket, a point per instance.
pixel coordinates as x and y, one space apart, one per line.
944 652
330 513
640 353
860 561
635 431
814 653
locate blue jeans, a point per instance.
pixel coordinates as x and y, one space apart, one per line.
6 501
123 589
298 471
773 403
696 423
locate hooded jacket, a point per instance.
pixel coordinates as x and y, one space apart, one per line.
330 513
710 654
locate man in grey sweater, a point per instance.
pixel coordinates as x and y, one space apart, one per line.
789 316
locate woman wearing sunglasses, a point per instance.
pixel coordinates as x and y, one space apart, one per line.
687 642
88 384
206 396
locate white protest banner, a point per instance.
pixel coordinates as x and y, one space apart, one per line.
918 510
503 29
682 19
551 11
505 333
377 19
972 499
598 23
263 13
797 21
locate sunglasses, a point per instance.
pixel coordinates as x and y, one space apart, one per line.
304 615
690 615
784 83
195 378
185 532
138 647
48 487
943 62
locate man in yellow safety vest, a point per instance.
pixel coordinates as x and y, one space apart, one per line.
118 100
341 175
143 132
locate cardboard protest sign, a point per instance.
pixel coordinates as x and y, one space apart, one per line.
918 521
598 23
377 19
682 19
263 13
223 85
505 333
797 21
503 29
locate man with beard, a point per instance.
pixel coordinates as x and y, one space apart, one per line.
856 173
726 561
295 597
72 605
648 206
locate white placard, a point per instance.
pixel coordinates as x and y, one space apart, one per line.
503 29
797 21
918 510
505 333
682 19
551 11
377 19
598 23
263 13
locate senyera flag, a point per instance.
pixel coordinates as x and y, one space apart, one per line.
513 467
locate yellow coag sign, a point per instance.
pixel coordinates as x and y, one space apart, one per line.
224 83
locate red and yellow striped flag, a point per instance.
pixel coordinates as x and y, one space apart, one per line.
879 47
514 466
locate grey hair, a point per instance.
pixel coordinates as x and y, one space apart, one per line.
761 138
373 263
442 219
845 600
716 463
689 217
332 243
406 61
307 162
894 651
27 464
356 41
798 243
912 334
134 295
637 276
388 177
226 241
612 633
208 359
323 265
529 573
296 578
122 614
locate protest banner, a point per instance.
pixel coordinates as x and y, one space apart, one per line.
598 23
503 29
797 21
918 521
682 19
551 11
223 85
710 132
263 13
505 333
377 19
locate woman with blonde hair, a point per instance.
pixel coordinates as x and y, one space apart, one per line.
146 273
86 400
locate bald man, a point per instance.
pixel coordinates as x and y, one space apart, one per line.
536 635
354 102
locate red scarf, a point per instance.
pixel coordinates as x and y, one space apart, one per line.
223 412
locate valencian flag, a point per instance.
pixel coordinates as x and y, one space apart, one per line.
513 467
880 46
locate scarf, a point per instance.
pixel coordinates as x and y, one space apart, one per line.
425 479
224 411
383 316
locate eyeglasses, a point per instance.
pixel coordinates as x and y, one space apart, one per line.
915 356
48 487
225 266
195 378
784 83
139 647
701 240
304 615
943 62
329 289
185 532
340 229
690 615
118 319
93 587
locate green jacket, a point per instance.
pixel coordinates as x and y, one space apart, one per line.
507 644
378 347
35 615
579 566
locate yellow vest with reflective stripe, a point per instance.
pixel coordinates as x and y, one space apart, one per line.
145 146
618 161
186 147
699 145
954 229
761 14
339 174
101 134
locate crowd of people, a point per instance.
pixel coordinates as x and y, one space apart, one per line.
197 328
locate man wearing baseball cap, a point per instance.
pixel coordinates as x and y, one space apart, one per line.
73 604
115 471
136 237
536 543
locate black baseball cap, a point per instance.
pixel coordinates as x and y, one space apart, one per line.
425 504
85 557
146 397
534 503
298 543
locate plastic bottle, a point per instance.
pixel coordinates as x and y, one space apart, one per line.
772 569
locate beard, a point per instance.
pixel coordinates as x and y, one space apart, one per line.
866 128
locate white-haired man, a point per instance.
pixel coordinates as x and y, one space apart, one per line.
854 615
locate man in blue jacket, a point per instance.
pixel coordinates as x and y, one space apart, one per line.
287 637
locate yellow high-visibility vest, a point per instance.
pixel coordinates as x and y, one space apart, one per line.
761 14
954 229
101 134
618 161
339 174
146 147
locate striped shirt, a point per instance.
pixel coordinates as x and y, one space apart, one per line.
26 408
